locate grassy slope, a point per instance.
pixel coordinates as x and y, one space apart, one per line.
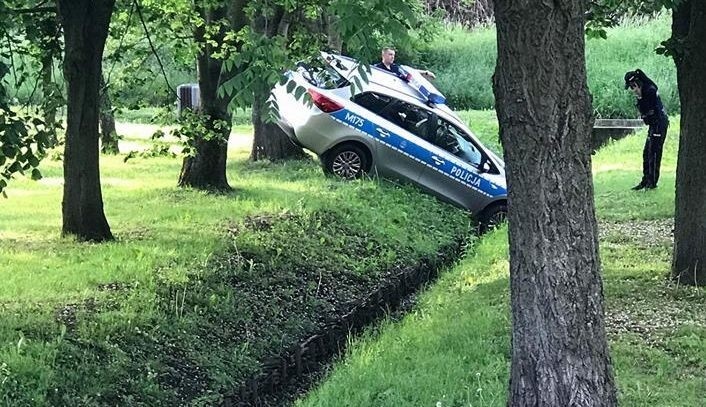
155 316
453 349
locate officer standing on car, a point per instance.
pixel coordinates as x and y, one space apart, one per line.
655 116
388 63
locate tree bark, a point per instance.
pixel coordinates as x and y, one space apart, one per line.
269 141
109 136
206 169
559 348
333 38
689 257
85 25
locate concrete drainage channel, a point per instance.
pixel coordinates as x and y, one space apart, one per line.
284 376
605 130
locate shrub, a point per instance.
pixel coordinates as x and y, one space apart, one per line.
465 60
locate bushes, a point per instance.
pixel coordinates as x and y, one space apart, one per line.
464 62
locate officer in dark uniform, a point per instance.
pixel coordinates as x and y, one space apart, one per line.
388 63
655 116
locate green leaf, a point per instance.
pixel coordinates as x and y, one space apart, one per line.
32 160
358 84
299 92
36 174
290 86
15 167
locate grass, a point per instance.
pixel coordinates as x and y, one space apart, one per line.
467 85
197 287
453 349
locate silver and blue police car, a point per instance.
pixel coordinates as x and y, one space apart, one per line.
395 127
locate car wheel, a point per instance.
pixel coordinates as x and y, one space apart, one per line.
347 161
492 217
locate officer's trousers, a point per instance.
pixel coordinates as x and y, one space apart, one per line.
652 153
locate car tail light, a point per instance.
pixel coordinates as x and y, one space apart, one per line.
322 102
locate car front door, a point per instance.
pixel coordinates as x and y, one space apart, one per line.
455 166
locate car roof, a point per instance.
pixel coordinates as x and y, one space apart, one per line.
387 83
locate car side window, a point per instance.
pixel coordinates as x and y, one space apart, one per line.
372 101
452 139
412 118
406 115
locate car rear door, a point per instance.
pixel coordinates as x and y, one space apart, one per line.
397 127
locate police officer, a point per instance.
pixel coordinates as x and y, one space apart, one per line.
388 63
655 116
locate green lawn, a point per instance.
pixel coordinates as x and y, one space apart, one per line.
453 348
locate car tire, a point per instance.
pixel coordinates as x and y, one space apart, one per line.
347 161
492 217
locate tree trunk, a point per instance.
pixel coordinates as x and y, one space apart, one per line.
559 348
85 25
689 258
269 141
206 169
109 136
333 38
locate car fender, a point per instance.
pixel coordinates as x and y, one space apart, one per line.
366 143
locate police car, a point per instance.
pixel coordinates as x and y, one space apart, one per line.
395 127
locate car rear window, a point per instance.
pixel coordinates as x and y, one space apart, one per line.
322 77
372 101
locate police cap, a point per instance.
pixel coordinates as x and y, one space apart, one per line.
630 76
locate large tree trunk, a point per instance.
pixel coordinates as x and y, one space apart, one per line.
269 141
559 348
689 29
109 136
85 25
206 169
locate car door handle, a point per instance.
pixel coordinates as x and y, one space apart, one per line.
437 160
383 133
